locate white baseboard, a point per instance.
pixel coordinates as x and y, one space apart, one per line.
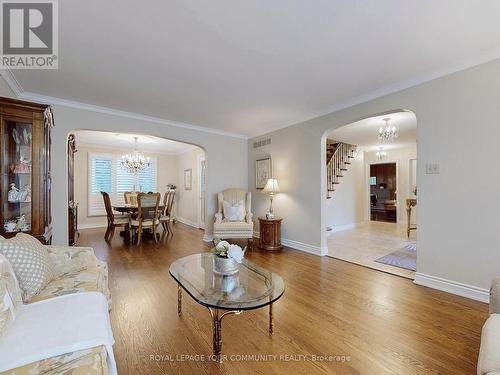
187 222
91 226
452 287
311 249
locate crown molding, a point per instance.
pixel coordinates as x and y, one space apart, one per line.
143 149
26 95
12 81
16 87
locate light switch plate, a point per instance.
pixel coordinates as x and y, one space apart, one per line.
432 168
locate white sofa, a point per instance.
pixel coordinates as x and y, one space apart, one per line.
66 327
488 362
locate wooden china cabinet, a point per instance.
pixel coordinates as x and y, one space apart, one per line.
25 169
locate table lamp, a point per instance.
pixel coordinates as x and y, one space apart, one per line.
271 187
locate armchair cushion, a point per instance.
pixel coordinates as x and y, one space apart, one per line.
233 226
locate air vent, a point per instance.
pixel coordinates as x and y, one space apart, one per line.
262 142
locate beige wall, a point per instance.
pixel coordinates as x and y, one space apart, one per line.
402 157
227 156
347 205
458 128
166 173
457 118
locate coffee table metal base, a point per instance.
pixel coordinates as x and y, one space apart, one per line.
217 315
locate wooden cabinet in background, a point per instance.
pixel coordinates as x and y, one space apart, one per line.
72 205
270 233
25 169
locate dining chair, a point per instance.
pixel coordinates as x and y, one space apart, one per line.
113 221
126 196
165 218
148 215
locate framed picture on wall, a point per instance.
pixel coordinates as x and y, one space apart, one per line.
262 172
188 179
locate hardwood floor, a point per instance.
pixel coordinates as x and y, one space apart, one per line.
384 323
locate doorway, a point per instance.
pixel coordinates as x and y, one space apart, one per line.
383 192
366 204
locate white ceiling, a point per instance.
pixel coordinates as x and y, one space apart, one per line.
125 141
249 67
364 133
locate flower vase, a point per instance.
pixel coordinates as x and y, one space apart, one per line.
225 266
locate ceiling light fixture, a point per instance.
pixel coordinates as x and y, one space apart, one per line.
387 132
135 162
381 154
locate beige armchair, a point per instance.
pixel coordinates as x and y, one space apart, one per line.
226 229
488 362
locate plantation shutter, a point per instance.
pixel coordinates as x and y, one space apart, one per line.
100 179
146 179
124 181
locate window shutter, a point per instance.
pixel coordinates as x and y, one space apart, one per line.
124 181
100 179
146 179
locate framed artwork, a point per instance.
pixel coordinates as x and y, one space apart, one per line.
262 172
188 179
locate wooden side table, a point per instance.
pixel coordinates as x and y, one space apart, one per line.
270 233
411 202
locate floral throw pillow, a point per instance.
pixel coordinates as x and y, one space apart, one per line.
31 263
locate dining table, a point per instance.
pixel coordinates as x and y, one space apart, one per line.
132 208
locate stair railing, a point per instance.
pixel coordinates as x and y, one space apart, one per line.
338 164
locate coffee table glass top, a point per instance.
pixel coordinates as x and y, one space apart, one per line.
249 288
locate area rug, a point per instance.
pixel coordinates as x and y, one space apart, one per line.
406 258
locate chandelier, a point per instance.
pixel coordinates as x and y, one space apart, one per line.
381 154
135 162
387 132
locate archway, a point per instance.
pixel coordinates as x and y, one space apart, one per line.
367 182
173 166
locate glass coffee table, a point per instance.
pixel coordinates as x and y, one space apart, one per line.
251 287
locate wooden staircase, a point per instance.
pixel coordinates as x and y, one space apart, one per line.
338 158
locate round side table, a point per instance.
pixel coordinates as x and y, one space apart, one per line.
270 233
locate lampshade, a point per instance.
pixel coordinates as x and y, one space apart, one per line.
271 186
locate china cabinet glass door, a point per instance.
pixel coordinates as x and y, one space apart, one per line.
17 180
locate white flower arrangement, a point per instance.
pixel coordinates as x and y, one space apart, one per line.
226 250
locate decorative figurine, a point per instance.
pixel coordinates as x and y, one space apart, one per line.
13 193
24 166
25 194
22 223
10 226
